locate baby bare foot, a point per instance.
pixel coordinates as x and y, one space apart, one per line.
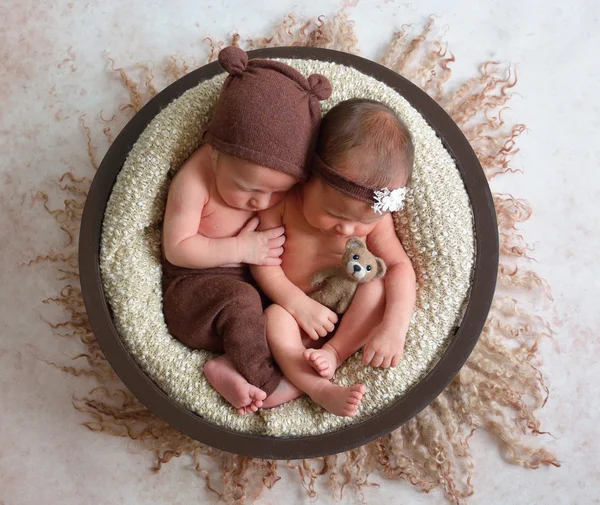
324 360
341 401
232 386
284 392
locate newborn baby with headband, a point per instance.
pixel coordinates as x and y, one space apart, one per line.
362 165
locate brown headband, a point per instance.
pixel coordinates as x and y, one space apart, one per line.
343 184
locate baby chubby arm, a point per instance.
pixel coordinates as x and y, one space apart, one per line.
271 279
315 319
182 244
387 342
185 247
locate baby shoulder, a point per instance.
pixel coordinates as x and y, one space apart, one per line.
272 217
189 187
384 243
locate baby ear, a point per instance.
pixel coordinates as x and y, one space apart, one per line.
354 243
381 268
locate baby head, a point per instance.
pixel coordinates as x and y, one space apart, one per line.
263 130
363 149
246 185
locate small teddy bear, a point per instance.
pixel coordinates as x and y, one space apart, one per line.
338 285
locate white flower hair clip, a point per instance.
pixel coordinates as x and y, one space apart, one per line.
386 200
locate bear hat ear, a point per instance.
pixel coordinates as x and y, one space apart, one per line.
381 268
354 243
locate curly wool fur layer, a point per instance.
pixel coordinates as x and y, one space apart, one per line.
499 389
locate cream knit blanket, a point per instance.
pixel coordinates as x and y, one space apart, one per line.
436 229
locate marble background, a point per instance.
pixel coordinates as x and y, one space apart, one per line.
53 69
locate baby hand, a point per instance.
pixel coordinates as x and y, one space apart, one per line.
384 348
315 319
260 247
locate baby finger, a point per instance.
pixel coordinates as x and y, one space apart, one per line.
322 331
277 242
251 225
276 252
270 262
275 232
329 326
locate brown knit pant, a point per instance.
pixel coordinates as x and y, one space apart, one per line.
220 309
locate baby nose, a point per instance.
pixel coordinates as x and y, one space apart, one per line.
344 229
357 268
260 203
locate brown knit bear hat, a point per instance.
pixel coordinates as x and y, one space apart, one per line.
268 113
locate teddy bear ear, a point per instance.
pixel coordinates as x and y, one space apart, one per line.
354 243
381 268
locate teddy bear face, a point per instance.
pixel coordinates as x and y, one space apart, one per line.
360 264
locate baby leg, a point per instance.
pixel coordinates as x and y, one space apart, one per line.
285 340
285 392
232 386
242 324
365 313
194 305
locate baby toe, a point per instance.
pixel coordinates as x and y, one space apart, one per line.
257 394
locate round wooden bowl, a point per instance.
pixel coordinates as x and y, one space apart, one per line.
460 344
